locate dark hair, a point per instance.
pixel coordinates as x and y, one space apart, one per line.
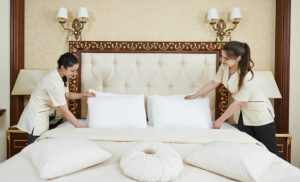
235 49
66 60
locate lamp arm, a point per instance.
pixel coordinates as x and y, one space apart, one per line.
63 26
214 26
228 31
81 26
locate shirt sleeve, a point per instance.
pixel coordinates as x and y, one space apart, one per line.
244 93
67 89
57 96
219 75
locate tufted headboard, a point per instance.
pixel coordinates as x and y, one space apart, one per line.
164 68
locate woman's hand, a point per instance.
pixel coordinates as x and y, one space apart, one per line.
189 97
88 94
217 124
82 126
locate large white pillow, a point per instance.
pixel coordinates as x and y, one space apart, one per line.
175 111
243 162
117 111
54 157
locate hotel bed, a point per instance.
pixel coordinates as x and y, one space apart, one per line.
154 70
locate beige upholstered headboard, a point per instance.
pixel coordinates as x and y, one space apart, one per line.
164 68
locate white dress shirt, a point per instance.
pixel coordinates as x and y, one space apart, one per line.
257 109
49 93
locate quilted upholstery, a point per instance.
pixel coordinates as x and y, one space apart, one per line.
147 73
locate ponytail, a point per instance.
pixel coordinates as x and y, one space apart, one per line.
245 65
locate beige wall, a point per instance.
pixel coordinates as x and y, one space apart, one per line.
148 20
294 83
4 74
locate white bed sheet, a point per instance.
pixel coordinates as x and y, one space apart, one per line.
225 126
117 142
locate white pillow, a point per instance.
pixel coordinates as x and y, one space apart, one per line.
54 157
175 111
243 162
117 111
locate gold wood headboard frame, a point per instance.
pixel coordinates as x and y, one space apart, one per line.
77 47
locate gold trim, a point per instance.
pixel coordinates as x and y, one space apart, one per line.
288 137
15 131
281 147
223 105
8 144
283 135
19 146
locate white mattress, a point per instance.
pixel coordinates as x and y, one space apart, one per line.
117 142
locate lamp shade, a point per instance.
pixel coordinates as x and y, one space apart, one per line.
267 83
82 13
27 81
235 13
212 14
62 13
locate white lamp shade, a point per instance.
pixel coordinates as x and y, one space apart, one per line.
267 83
212 14
82 13
62 13
235 14
27 81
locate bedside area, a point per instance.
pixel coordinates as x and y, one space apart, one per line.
16 139
284 142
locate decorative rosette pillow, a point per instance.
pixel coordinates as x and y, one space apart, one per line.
151 161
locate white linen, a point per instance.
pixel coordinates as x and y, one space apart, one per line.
55 157
110 171
178 135
130 111
175 111
243 162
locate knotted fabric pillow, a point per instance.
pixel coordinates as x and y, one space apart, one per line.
151 161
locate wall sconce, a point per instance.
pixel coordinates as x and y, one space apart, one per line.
77 23
219 25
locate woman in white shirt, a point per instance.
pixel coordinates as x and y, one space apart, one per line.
251 108
51 92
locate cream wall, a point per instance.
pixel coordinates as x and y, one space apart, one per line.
147 20
4 74
294 83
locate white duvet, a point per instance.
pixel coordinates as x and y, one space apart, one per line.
118 141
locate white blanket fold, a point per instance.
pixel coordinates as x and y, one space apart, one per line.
172 135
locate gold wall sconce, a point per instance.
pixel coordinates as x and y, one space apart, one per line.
219 25
77 23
